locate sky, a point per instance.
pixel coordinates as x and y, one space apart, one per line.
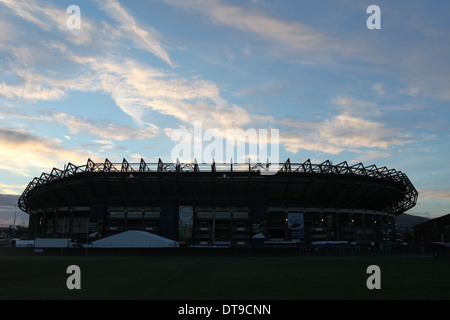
135 71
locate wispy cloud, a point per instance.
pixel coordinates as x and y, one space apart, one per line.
22 151
421 69
290 36
106 130
95 128
137 88
11 189
378 88
355 107
144 37
143 91
39 14
354 128
343 132
427 194
50 18
31 91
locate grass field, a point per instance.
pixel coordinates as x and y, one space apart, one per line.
250 277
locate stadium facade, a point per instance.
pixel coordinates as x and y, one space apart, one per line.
220 204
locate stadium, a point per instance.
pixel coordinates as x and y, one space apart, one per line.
220 204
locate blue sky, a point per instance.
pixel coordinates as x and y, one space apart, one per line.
137 70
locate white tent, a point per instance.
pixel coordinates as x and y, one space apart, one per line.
134 239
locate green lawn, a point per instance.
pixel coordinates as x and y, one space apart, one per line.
228 278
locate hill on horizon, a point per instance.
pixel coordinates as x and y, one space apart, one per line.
406 221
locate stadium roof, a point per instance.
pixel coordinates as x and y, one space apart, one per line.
390 190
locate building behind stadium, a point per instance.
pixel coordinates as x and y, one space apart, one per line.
220 204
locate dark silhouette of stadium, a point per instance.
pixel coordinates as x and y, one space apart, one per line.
220 204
